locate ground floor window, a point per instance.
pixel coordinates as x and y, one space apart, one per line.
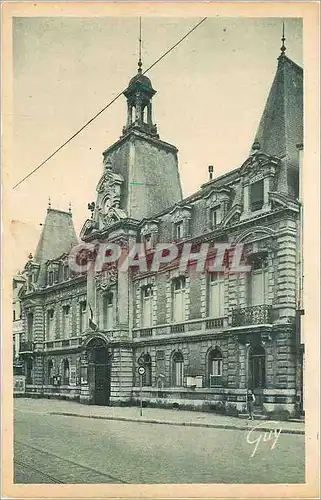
66 372
177 369
29 371
215 367
147 378
50 372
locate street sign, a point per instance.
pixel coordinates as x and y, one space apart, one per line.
141 360
141 370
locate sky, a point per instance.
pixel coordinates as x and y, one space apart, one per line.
211 92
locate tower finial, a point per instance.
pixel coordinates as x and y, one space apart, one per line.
283 47
69 209
140 46
49 203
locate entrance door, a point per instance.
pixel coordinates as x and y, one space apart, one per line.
257 372
102 377
99 372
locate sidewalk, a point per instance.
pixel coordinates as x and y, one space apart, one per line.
152 416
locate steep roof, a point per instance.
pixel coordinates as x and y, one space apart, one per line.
281 125
58 236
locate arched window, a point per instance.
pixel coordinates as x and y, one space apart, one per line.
177 369
145 114
50 372
147 378
257 366
65 372
215 367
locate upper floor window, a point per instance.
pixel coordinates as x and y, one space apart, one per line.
14 315
216 295
256 195
83 313
179 299
66 321
258 281
147 306
178 230
66 272
50 323
148 241
108 310
215 217
50 278
30 327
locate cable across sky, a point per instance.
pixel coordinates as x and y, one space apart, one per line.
110 103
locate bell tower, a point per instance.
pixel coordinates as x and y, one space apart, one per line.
139 94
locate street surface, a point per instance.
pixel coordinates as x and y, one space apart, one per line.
67 449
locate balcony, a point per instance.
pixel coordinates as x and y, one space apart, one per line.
26 347
254 315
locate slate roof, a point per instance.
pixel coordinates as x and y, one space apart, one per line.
281 125
58 236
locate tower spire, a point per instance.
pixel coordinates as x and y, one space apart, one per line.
283 47
140 46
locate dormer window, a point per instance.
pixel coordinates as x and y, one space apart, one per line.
50 278
148 241
257 195
178 230
215 217
66 272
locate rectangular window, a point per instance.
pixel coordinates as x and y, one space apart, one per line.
178 230
66 321
30 327
51 324
147 306
215 217
216 295
108 311
17 344
258 282
50 278
179 300
66 272
82 316
257 195
148 241
216 367
14 315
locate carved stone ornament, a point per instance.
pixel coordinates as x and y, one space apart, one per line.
149 227
106 278
181 213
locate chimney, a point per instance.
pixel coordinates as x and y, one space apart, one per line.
210 171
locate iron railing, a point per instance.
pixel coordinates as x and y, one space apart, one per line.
254 315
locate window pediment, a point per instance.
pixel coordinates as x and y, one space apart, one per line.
149 227
258 166
180 213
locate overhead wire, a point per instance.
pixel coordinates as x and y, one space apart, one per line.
107 106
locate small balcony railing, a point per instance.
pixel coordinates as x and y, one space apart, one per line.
26 347
254 315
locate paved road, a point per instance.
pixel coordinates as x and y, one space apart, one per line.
60 449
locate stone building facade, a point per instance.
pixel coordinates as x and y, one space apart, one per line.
203 337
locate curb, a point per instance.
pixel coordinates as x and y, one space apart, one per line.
185 424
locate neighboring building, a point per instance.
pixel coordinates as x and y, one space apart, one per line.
203 337
17 325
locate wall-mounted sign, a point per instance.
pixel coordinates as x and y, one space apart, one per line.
19 384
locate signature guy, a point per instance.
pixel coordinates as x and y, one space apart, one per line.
271 435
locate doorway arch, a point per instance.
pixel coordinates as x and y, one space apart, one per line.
99 369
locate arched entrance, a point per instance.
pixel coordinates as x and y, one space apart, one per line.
98 371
